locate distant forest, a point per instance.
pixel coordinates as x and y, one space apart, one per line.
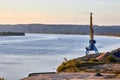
60 29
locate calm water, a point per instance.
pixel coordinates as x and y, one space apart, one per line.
21 55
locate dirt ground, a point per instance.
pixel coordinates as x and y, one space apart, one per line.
72 76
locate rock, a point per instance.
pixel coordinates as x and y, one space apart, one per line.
98 74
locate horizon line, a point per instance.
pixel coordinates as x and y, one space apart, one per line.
54 24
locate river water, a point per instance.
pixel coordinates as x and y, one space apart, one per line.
21 55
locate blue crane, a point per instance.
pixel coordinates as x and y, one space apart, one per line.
92 42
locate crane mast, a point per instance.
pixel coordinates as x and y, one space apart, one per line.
91 28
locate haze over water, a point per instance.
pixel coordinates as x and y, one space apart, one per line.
21 55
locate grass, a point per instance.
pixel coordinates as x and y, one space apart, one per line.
77 65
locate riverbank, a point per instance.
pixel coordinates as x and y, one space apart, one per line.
12 34
72 76
104 62
109 35
86 67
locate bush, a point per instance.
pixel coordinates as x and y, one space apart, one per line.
93 60
76 65
110 58
72 70
62 67
71 64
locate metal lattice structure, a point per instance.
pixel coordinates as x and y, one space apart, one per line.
92 42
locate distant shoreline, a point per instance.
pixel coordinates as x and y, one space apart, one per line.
110 35
60 29
12 34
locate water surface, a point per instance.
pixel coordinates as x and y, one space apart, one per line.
21 55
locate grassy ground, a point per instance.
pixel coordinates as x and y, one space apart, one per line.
90 64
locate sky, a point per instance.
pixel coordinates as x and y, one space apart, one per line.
105 12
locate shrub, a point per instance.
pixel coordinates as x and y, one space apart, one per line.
110 58
71 64
93 60
72 70
62 67
65 59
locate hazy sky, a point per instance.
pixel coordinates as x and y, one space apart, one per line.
106 12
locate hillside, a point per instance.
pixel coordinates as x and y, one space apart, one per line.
60 29
105 62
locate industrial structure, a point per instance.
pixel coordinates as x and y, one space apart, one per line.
92 42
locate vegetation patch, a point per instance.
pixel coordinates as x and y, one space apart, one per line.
77 65
110 58
91 63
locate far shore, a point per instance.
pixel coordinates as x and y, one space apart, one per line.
12 34
111 35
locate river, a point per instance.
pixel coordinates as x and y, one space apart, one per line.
21 55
